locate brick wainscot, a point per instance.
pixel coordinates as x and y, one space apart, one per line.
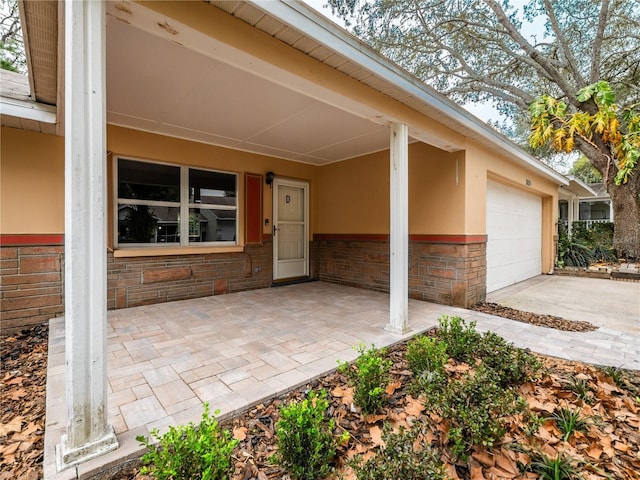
445 269
31 280
32 277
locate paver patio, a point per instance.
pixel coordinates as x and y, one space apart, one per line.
235 350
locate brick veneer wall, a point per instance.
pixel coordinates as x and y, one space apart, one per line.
31 279
31 285
145 280
449 272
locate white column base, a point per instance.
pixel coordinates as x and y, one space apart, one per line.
398 331
67 457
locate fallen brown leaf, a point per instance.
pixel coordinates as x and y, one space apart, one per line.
484 458
392 387
14 425
375 433
414 406
240 433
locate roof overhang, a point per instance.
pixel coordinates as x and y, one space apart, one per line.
389 77
576 188
350 126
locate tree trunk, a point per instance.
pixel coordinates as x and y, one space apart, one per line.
625 198
626 217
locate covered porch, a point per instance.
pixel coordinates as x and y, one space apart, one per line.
232 351
311 148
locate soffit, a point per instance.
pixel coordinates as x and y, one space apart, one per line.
413 93
253 15
40 31
160 86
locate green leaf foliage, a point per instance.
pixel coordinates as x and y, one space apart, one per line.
616 135
189 451
370 376
404 456
306 445
462 339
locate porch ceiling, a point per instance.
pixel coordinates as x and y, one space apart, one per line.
160 86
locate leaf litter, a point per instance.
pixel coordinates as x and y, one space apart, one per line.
610 447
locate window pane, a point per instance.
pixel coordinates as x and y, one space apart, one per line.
148 181
147 224
290 204
212 225
212 187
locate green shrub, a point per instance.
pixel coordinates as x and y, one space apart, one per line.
512 366
601 234
569 422
462 340
189 451
370 377
560 468
532 422
400 460
571 253
603 254
476 407
586 245
426 355
580 233
306 445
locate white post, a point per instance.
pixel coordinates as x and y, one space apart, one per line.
87 434
399 231
570 214
611 210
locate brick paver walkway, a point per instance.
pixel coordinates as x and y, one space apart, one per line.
235 350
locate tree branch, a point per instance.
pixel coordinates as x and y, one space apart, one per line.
513 32
597 42
566 51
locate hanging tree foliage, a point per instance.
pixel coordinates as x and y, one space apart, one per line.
513 57
618 129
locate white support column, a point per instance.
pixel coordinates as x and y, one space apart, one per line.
87 435
399 231
570 214
611 210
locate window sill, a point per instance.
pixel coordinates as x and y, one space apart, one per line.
159 251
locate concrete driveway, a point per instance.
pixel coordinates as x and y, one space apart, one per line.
606 303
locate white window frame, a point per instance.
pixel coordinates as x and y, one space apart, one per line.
184 205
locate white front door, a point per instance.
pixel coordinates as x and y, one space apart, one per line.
290 229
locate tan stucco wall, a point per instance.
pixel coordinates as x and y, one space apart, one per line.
32 174
353 196
31 182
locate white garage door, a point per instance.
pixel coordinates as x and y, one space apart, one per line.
514 235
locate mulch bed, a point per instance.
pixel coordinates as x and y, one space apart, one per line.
550 321
610 447
22 400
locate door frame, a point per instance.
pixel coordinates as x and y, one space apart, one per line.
277 182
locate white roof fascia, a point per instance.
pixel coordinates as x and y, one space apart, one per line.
322 30
28 110
582 184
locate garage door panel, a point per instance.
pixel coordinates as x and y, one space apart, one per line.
514 235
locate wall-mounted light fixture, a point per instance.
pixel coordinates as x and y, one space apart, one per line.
268 178
528 182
